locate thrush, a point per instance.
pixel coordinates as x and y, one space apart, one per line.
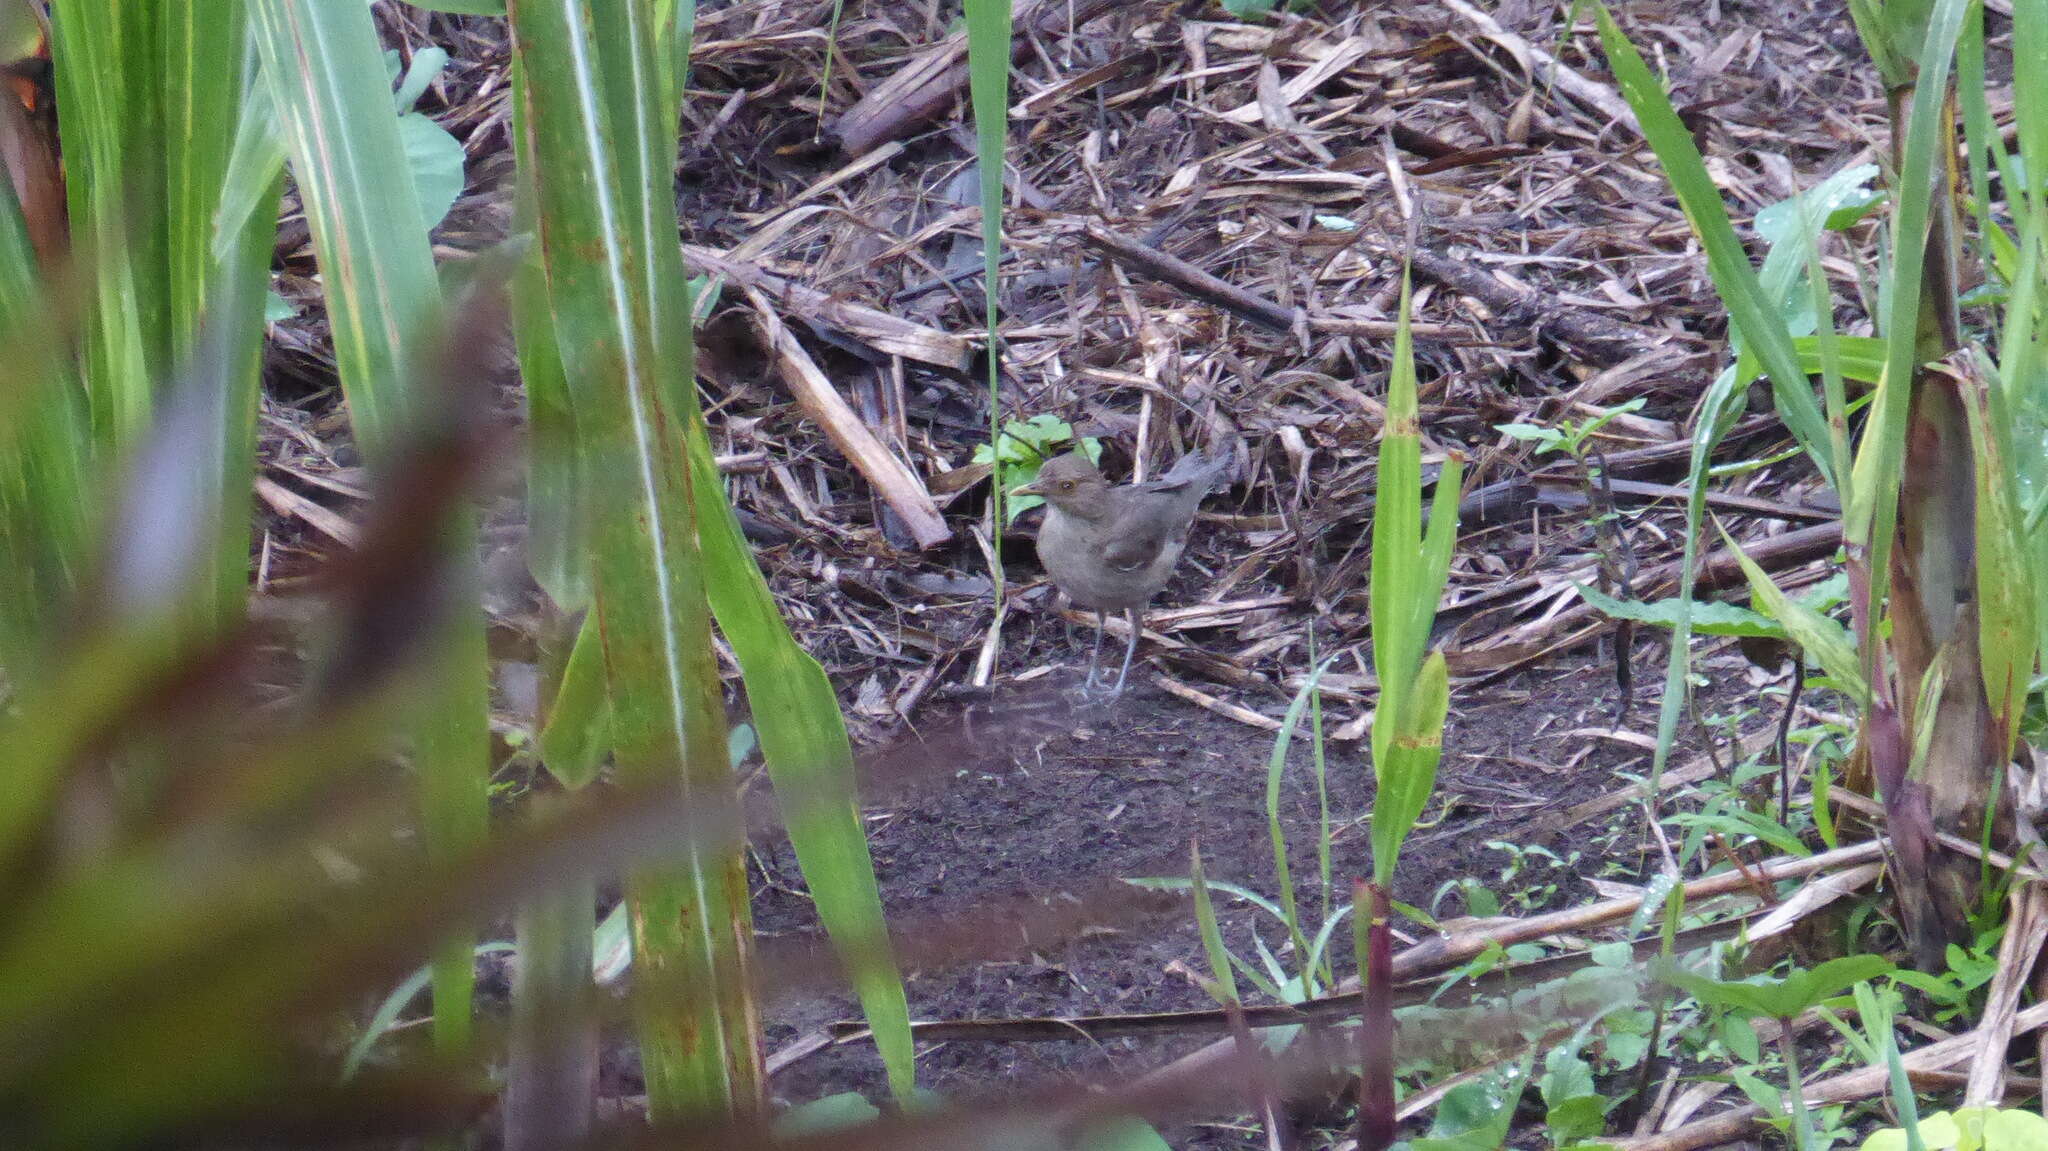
1113 548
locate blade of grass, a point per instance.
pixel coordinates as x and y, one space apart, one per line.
1220 970
988 77
1735 281
99 55
1276 770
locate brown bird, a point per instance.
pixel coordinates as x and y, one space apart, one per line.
1112 548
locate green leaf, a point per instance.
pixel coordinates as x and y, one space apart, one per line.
1826 642
1123 1133
1225 982
1409 773
598 118
1740 1038
988 82
1276 767
1777 998
436 162
1768 1098
326 79
1546 439
840 1112
577 735
1709 617
2006 591
1754 315
1476 1116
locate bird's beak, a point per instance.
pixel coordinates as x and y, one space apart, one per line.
1030 489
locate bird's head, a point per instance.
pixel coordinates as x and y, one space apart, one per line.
1070 483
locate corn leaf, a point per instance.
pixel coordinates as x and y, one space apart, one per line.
2006 594
1749 306
602 155
1825 641
325 72
1409 774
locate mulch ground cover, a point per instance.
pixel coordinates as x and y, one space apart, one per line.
1208 220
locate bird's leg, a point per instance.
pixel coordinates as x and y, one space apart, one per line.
1095 653
1136 618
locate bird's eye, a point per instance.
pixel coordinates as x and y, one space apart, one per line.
1066 485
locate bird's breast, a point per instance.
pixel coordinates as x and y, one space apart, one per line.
1072 551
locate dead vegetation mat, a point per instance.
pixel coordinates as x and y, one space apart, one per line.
1208 219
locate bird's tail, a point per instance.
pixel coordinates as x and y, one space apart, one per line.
1197 469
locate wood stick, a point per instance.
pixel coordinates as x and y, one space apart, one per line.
891 477
1597 96
923 89
1190 279
1139 256
1587 334
890 335
2017 953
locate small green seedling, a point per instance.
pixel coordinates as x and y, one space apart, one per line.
1024 445
1569 436
1780 1000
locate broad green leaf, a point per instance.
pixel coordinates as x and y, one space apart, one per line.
1778 998
114 177
1827 643
2006 592
1709 617
1396 581
435 159
558 508
838 1112
598 125
810 761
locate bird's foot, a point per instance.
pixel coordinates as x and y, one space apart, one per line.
1096 691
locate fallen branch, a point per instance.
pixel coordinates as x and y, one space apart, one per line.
891 478
1190 279
1138 256
1588 335
887 334
919 91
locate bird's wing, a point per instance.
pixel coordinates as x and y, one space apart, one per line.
1148 521
1134 545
